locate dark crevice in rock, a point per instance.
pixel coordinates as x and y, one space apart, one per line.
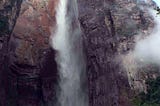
112 27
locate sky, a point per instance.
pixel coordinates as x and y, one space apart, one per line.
158 2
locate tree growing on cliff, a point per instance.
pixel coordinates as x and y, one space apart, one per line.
152 97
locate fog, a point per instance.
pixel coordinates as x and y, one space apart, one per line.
67 41
148 49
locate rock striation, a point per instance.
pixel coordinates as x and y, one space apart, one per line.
30 74
109 28
9 11
28 71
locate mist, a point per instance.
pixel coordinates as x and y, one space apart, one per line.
67 41
157 2
147 50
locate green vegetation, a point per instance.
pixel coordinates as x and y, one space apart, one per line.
152 97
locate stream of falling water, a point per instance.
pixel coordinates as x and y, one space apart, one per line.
71 65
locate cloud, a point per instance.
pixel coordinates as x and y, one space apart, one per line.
157 2
148 49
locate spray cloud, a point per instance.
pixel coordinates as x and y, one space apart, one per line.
67 42
147 49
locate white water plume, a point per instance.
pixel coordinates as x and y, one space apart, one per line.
147 50
145 54
71 65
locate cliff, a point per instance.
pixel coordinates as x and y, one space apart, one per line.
109 30
28 71
9 10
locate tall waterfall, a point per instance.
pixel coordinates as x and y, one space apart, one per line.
71 65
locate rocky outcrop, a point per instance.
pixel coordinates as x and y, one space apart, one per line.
32 71
28 71
9 10
109 27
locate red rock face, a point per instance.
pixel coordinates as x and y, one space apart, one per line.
31 77
36 19
32 62
33 29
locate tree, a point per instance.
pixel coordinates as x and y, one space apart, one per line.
152 97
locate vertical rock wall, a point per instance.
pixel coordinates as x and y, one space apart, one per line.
109 28
27 63
28 72
9 10
31 59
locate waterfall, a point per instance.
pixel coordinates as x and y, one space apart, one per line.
67 41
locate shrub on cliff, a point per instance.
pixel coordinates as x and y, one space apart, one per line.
152 97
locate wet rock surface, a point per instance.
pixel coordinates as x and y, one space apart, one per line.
28 71
31 57
9 10
109 28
